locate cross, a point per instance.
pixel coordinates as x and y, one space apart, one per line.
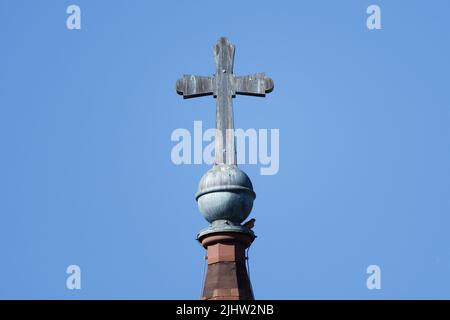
224 86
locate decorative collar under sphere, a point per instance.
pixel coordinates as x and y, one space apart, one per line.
225 193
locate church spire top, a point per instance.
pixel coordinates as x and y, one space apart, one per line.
225 195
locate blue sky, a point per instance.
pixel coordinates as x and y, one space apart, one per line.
86 176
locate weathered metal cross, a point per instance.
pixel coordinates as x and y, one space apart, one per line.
224 86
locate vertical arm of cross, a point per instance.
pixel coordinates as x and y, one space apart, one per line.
225 141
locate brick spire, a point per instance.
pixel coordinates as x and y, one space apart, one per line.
227 277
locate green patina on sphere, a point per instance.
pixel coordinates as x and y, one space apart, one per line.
225 193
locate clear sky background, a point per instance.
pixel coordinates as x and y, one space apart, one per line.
86 176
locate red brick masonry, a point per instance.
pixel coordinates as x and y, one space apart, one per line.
227 277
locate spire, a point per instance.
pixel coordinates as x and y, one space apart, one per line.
227 277
225 195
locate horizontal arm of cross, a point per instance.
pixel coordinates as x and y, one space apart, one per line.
191 86
254 85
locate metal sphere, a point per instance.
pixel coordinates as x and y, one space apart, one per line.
225 193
